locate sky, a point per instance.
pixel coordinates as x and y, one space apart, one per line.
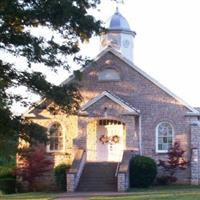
167 44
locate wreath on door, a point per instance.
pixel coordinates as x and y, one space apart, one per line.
104 139
115 139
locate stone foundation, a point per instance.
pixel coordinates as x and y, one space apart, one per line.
122 182
195 157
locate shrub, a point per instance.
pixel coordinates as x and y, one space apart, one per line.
143 171
7 182
7 177
60 176
33 164
162 180
175 161
7 185
6 172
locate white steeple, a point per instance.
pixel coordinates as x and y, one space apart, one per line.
119 36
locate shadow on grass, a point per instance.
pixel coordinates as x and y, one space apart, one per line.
28 196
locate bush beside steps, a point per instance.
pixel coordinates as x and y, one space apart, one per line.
143 171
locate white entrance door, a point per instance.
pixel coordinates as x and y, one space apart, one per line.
110 143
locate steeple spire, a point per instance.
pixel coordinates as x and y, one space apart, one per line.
119 35
117 5
117 10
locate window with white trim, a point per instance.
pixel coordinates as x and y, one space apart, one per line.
164 137
55 135
108 75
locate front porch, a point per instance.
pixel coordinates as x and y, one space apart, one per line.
108 131
100 147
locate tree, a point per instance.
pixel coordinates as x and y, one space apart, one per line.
68 19
175 161
33 163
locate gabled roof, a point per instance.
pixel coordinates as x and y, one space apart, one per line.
28 112
130 64
115 99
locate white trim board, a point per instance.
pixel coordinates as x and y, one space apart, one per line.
114 99
27 113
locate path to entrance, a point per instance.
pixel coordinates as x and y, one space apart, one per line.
86 195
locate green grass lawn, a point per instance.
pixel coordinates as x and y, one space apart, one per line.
153 193
159 193
28 196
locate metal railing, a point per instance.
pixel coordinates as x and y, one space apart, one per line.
74 174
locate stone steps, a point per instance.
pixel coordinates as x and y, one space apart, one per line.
98 176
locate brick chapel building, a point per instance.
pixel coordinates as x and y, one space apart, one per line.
124 112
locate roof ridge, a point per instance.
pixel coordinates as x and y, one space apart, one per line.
114 98
122 100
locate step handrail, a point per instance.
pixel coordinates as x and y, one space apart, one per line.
117 169
75 172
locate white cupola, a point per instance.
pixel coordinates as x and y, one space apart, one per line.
119 36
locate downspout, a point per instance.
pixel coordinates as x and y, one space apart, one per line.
140 135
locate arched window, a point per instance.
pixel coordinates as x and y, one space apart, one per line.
164 137
108 75
55 137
